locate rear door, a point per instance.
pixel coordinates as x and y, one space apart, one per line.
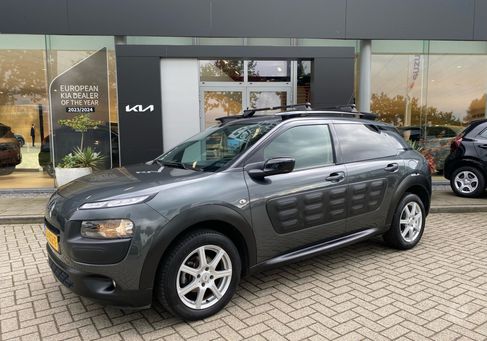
306 205
374 169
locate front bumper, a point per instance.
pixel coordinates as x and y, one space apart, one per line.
89 267
97 287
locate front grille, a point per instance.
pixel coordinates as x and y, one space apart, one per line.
62 276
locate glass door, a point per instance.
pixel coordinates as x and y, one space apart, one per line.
220 101
264 97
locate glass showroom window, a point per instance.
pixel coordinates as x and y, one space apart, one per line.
430 90
24 113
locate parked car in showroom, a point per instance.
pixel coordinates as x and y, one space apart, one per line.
435 140
186 226
466 165
10 154
21 139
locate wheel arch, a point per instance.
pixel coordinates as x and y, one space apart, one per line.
470 163
415 185
466 162
210 217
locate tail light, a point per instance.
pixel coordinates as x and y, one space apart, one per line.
456 143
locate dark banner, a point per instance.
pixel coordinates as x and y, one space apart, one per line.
80 109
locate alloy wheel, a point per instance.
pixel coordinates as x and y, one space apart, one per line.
466 182
204 277
411 221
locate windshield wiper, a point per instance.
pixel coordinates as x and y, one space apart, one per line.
174 164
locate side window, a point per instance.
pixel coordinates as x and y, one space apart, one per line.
365 141
310 146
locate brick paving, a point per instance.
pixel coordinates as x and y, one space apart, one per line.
436 291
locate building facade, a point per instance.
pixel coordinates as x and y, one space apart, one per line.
132 79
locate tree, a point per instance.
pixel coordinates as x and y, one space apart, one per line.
80 124
392 110
476 109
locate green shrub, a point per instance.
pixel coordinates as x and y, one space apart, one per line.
80 158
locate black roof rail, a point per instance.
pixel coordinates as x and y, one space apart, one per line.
343 110
251 112
340 107
330 113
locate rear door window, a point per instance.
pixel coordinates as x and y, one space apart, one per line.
360 142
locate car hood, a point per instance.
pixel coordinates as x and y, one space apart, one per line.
126 182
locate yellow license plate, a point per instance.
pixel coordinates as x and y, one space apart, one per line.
52 239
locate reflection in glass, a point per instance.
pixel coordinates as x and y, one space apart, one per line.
221 103
430 96
24 113
216 147
269 71
309 146
304 81
222 70
265 99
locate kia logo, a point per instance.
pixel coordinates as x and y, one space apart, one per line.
139 108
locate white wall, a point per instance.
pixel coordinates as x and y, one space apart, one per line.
180 100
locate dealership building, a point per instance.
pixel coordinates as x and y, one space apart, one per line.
145 75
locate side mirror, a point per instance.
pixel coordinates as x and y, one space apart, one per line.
279 165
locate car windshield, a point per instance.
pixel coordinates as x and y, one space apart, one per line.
216 147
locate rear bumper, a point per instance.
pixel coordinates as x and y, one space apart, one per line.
97 287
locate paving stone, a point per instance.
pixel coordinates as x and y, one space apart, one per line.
436 291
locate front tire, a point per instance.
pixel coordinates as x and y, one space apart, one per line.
467 182
408 223
199 275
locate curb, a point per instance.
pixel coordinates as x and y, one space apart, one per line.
27 219
458 209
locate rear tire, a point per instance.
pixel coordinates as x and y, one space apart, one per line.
408 223
199 275
467 182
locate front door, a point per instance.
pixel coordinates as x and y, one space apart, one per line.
304 206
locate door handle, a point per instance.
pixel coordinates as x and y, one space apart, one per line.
336 177
484 146
392 167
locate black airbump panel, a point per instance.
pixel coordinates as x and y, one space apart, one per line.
307 209
366 196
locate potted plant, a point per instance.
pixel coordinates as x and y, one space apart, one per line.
79 163
82 160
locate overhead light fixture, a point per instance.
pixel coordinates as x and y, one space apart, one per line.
459 66
279 69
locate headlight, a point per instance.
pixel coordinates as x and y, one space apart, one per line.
114 203
107 229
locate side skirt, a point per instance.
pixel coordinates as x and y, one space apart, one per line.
315 249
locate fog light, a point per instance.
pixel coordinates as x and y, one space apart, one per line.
107 229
